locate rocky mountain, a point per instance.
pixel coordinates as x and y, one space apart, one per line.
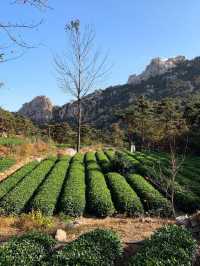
174 77
156 67
39 110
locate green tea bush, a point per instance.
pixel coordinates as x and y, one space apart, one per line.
152 199
169 246
124 164
99 200
104 162
110 154
99 247
26 250
124 197
48 193
185 199
7 184
72 200
16 200
6 163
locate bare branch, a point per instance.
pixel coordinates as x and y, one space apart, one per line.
82 66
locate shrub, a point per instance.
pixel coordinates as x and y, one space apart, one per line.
7 184
124 164
169 246
124 197
110 154
16 200
104 162
26 250
185 199
152 199
34 219
47 195
99 247
99 200
73 196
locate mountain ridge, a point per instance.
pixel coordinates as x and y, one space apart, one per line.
98 107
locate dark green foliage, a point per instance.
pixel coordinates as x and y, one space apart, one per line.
124 164
185 199
99 247
6 163
7 184
26 250
15 124
151 198
169 246
125 199
110 154
48 193
99 200
16 199
72 200
104 162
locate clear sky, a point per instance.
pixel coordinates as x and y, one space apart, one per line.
133 31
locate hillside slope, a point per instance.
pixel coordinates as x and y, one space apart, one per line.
178 81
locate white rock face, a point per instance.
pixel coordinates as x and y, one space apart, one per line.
156 67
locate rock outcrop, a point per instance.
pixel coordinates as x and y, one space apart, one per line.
39 110
156 67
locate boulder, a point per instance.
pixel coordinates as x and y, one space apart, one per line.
61 235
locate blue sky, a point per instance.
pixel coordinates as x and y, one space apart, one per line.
133 31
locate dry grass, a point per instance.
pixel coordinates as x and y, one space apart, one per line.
129 229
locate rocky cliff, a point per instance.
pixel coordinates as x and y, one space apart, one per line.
39 110
175 77
156 67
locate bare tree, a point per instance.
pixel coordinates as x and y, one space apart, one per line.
13 44
81 67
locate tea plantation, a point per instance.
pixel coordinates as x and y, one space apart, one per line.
101 184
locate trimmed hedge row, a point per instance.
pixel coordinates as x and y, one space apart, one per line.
110 154
152 199
26 250
16 199
72 200
6 163
124 164
99 200
185 199
103 160
48 193
169 246
99 247
124 197
7 184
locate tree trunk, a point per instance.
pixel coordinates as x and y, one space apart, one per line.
79 126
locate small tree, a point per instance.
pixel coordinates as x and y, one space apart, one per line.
80 68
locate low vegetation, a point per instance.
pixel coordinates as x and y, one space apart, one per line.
73 200
99 247
48 193
169 246
6 163
152 199
16 200
125 199
99 200
29 249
